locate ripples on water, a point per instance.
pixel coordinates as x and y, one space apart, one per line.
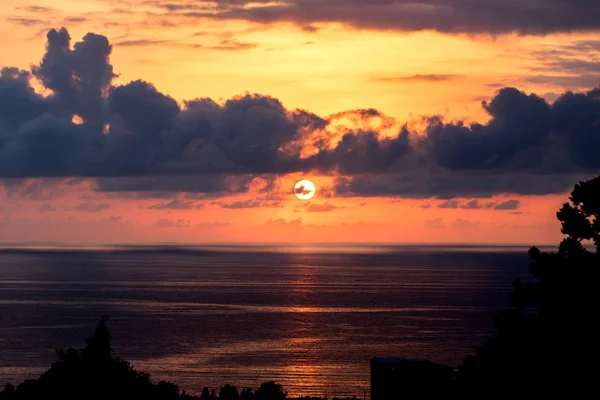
308 317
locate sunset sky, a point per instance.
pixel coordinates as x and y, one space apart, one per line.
436 121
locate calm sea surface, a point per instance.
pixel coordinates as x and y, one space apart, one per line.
309 317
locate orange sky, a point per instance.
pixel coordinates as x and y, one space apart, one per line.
335 68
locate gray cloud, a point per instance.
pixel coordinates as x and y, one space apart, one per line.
135 139
280 222
91 207
176 204
172 223
38 190
465 224
508 205
448 16
213 224
418 78
477 205
245 204
437 223
46 207
325 207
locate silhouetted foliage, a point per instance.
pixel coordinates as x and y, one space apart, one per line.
270 391
546 341
246 394
228 392
206 395
92 373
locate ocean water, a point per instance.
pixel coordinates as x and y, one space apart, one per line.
309 317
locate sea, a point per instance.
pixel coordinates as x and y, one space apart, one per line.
310 317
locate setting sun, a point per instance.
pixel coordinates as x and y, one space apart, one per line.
304 190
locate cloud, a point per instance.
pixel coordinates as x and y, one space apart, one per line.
283 223
244 204
46 207
205 186
449 204
465 224
437 223
176 204
213 224
477 205
508 205
91 207
172 223
448 16
38 190
140 42
418 78
26 21
134 139
460 223
325 207
302 190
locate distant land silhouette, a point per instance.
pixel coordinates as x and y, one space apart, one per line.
546 344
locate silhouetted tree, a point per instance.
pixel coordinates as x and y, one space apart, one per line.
92 374
8 393
228 392
270 391
98 347
247 394
205 395
545 342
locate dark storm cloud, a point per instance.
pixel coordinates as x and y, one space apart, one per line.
449 185
216 185
448 16
134 139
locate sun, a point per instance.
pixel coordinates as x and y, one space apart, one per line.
304 190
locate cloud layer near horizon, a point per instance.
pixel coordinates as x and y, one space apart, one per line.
134 138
